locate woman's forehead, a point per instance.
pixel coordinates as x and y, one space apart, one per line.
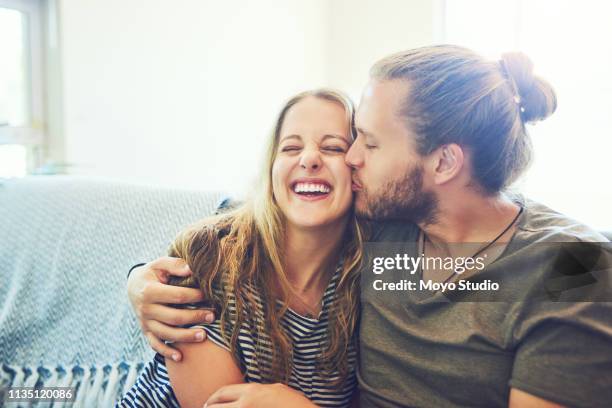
315 118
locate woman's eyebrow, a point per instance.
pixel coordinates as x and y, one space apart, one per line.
331 136
298 137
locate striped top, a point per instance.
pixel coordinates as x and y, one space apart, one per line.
153 389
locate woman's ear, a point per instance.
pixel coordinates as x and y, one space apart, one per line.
448 161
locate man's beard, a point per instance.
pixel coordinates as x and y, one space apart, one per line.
403 200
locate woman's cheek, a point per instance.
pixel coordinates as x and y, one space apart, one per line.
342 173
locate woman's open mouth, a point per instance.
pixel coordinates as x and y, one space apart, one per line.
311 190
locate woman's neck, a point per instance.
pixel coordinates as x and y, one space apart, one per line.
309 254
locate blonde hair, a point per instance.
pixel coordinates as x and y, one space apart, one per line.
456 96
242 250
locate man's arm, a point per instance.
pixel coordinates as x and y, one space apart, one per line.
150 294
205 368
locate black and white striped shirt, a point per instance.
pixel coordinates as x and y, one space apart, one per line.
153 388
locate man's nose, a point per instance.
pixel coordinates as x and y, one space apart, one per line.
354 156
310 160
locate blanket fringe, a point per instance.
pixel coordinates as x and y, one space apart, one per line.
96 386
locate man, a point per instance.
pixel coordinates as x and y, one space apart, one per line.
441 135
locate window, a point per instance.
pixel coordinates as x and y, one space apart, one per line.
568 41
21 87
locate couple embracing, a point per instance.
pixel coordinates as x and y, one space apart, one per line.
427 158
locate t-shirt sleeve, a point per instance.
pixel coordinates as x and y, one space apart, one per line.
564 353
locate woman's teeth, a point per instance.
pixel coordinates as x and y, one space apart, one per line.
311 188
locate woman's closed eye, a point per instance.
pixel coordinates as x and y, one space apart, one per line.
291 148
334 149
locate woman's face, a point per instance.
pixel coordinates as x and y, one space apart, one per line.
310 180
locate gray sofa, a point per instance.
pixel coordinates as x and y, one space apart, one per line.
66 244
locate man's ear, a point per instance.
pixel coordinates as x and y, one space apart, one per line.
447 163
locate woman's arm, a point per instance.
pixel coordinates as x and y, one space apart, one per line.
204 369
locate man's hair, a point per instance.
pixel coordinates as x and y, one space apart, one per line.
457 96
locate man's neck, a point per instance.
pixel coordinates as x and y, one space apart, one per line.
471 218
309 253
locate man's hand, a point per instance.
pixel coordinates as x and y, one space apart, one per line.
149 294
253 395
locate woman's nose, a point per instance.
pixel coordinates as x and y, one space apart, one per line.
310 160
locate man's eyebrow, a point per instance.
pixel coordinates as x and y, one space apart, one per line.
298 137
332 136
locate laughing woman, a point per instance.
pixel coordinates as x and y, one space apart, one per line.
282 273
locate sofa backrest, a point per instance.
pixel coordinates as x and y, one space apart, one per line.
66 244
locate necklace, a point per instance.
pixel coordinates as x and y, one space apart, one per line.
481 250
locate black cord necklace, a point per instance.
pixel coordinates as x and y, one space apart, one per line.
484 248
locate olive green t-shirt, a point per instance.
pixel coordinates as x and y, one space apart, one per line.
469 351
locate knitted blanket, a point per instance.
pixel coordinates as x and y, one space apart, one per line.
66 244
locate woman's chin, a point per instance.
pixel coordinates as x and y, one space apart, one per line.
314 221
309 223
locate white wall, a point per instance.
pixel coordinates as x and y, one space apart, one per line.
183 92
363 31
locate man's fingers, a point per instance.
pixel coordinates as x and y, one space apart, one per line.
163 348
165 332
155 292
162 276
173 266
177 317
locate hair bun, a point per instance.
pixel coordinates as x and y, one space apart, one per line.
538 98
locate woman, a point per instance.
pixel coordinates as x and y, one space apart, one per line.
282 270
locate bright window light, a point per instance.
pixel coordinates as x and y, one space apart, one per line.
14 76
569 43
13 162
